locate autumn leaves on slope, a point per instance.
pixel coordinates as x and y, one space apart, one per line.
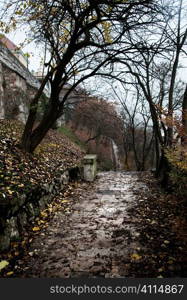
20 172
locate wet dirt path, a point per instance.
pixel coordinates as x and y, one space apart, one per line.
98 238
119 226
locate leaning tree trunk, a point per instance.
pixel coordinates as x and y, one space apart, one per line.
39 133
28 130
32 139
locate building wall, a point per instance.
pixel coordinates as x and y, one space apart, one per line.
15 95
14 50
17 86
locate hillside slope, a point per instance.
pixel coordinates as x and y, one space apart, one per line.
21 172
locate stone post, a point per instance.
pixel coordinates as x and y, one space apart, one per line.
90 167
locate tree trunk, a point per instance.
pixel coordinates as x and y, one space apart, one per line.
163 171
32 140
26 136
184 119
39 133
157 155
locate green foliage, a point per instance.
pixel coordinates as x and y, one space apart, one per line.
72 136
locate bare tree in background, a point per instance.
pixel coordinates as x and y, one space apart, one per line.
137 132
153 64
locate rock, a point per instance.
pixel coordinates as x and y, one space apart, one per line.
4 242
30 211
65 272
41 203
118 240
96 269
118 222
22 220
81 264
70 247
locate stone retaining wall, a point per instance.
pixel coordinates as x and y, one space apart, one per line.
17 86
17 214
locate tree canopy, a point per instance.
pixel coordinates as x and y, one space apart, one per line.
81 37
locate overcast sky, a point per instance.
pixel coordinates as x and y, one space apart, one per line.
34 50
37 53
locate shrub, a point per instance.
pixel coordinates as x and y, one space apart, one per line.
177 158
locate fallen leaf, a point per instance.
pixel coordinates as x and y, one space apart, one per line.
10 273
23 243
160 270
153 222
21 185
65 201
10 192
43 214
170 262
3 264
135 256
36 228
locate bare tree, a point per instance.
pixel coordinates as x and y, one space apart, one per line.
81 36
137 133
99 118
153 63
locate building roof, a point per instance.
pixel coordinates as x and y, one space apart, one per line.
8 43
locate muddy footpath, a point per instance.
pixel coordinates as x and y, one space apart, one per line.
121 225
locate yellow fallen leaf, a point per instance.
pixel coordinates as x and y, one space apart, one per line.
21 185
41 222
3 264
64 201
136 256
43 214
15 245
10 192
36 228
10 273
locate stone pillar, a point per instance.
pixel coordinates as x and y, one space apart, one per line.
90 167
